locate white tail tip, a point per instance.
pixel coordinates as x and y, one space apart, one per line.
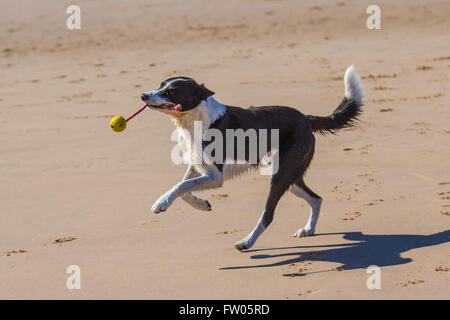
353 87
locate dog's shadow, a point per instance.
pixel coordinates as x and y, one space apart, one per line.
380 250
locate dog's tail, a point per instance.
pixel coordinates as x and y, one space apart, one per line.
346 114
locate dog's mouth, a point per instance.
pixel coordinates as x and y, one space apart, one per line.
167 106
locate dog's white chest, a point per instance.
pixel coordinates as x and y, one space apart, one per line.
191 126
190 146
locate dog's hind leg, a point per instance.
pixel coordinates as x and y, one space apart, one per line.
278 186
301 190
192 200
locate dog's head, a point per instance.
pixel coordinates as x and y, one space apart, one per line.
175 95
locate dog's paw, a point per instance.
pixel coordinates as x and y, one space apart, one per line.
162 204
204 205
243 244
197 203
303 232
201 204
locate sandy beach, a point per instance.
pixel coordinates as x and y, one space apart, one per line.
73 192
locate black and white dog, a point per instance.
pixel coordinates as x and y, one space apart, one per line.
187 102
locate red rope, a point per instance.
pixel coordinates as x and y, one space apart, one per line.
139 111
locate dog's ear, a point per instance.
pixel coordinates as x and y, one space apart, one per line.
199 94
206 92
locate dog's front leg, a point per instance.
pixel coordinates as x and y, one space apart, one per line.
211 179
189 198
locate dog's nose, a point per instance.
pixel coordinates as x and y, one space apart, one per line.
144 97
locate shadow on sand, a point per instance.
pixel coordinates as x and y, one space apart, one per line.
380 250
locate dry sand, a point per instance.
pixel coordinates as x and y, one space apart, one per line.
64 174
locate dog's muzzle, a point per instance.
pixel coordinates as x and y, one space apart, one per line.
155 101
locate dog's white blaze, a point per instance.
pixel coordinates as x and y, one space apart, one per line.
165 87
353 87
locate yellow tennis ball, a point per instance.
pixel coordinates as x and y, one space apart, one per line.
118 123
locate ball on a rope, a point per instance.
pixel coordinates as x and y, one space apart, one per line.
118 123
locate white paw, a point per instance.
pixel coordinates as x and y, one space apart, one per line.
200 204
203 205
304 232
162 204
243 244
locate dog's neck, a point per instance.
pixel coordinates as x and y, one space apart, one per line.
190 142
208 111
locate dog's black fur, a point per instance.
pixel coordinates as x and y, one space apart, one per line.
296 140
